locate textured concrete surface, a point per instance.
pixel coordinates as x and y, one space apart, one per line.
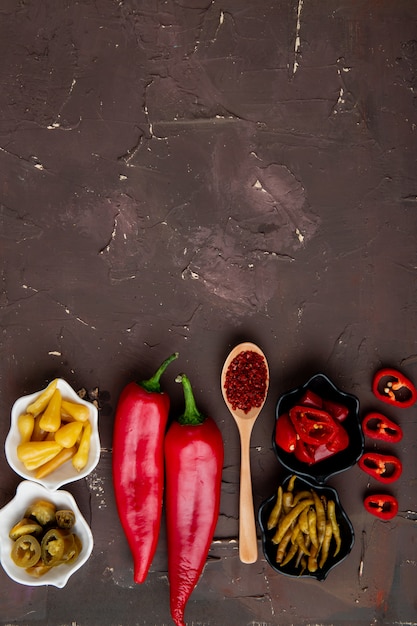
183 175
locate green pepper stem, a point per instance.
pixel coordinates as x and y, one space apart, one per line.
191 415
153 383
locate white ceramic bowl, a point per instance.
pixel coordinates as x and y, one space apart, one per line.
66 473
26 493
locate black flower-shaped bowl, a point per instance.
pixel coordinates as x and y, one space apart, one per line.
347 535
339 462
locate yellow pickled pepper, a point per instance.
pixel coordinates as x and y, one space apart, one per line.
68 434
62 457
33 454
80 458
38 434
51 418
75 410
41 402
25 425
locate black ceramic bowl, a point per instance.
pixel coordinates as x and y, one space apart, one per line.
345 527
322 470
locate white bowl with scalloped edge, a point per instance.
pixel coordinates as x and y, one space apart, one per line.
28 492
66 473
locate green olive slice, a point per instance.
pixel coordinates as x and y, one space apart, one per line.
26 551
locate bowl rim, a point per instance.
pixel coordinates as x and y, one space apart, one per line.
321 471
65 474
28 491
320 574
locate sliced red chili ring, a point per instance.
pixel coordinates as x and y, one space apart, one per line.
381 505
385 468
312 425
392 387
377 426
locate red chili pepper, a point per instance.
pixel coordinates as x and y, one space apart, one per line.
312 425
336 410
322 452
391 386
385 468
285 435
194 462
339 440
138 465
309 398
381 505
378 426
304 452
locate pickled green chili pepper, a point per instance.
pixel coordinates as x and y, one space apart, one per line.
57 547
65 519
39 543
42 511
307 531
25 527
26 551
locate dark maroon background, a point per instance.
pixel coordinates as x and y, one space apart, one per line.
183 175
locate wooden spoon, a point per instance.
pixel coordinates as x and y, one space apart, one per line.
248 544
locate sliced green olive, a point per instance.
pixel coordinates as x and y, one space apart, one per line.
26 551
65 519
25 527
43 511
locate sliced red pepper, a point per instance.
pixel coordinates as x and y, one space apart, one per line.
304 452
310 398
377 426
381 505
322 452
312 425
336 410
339 440
285 435
384 467
392 387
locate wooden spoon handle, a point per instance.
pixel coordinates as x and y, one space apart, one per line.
248 543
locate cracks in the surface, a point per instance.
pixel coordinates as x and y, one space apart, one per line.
112 237
133 150
297 41
147 115
61 305
56 124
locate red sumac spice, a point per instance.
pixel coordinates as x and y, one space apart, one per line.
245 381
